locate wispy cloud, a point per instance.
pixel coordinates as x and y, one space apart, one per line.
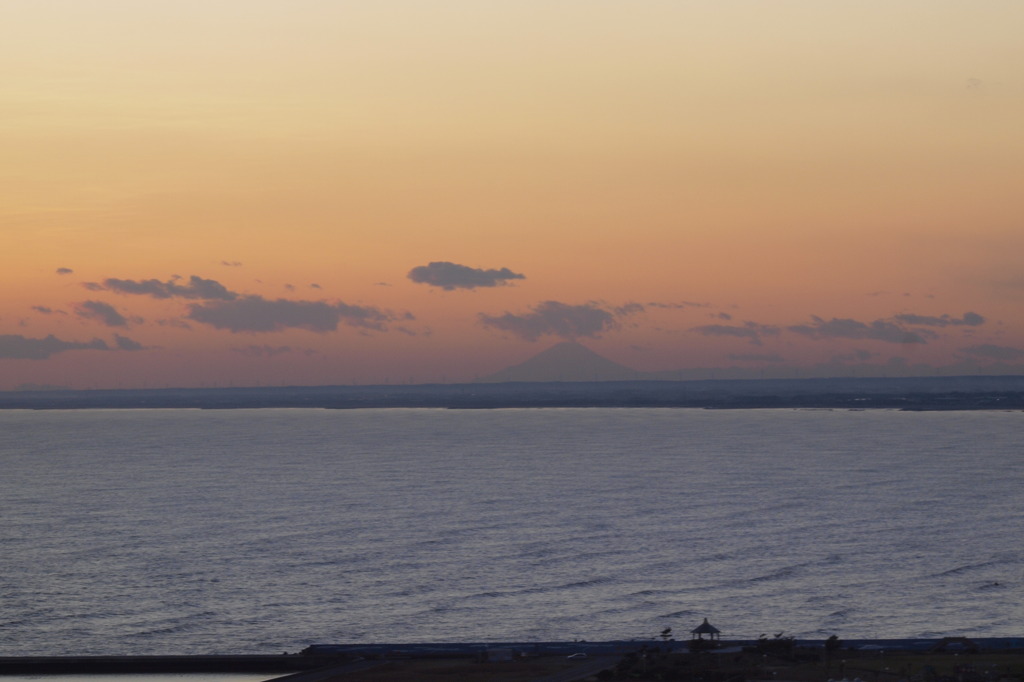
47 310
968 320
553 318
989 351
101 312
677 305
450 276
879 330
628 309
751 331
124 343
197 288
18 347
258 314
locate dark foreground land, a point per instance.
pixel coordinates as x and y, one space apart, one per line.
137 665
995 667
774 660
929 393
778 660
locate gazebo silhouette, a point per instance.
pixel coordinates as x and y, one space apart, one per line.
705 628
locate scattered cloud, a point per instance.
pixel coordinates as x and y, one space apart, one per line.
751 331
552 318
174 322
124 343
314 285
231 263
18 347
904 294
677 305
46 310
993 352
64 271
450 276
225 309
197 288
101 312
879 330
629 309
968 319
258 314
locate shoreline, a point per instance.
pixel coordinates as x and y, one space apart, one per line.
107 665
320 656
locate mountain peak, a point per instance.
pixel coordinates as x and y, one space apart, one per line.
565 361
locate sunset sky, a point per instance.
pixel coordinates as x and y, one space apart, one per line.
214 193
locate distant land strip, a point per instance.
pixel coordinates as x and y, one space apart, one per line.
919 393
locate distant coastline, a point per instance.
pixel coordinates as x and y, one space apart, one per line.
920 393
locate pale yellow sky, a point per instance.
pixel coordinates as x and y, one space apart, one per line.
769 161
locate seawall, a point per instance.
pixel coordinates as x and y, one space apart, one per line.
107 665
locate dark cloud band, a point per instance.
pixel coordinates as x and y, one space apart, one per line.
257 314
968 320
751 331
450 276
197 288
18 347
879 330
101 312
990 351
552 318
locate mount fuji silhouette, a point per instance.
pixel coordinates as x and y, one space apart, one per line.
566 361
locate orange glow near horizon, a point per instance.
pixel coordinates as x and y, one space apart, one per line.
773 186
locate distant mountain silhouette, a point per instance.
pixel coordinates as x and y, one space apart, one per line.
566 361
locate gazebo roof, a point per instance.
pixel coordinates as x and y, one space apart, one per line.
705 628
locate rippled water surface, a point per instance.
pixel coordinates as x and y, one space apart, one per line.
260 531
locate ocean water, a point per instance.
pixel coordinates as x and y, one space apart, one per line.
262 531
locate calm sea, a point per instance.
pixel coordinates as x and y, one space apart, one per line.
262 531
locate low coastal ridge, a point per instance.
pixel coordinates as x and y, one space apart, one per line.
919 393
